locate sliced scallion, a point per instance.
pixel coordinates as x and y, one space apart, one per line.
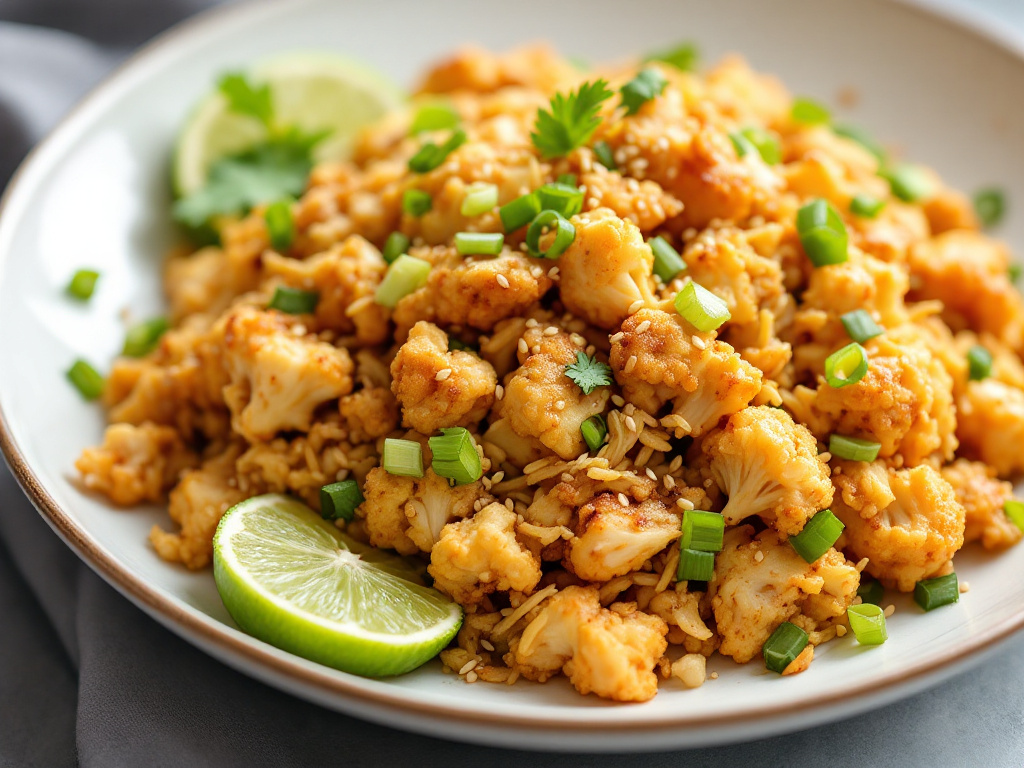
809 112
852 448
339 500
785 644
979 363
1014 511
402 457
594 431
569 179
83 284
822 233
702 531
519 212
480 198
990 206
910 183
405 275
416 202
695 565
846 366
454 456
935 593
431 155
565 233
862 137
870 591
395 246
861 326
818 535
294 301
868 623
765 142
479 243
566 200
701 308
87 380
434 116
684 56
667 261
866 206
142 338
280 225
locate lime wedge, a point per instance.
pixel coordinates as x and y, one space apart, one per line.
295 581
313 91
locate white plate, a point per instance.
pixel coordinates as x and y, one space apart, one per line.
96 193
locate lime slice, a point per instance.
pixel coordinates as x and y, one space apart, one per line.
313 91
295 581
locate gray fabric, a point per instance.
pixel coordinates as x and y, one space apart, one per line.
85 677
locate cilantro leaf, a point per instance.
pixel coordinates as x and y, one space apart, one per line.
588 373
645 86
684 56
571 120
247 99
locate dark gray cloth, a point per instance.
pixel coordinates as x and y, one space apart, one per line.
86 677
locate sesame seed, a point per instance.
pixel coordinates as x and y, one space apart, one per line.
631 424
578 340
502 281
550 330
535 349
630 364
617 337
523 346
593 202
623 500
536 272
698 342
532 323
643 326
965 586
472 677
560 405
759 556
862 564
677 462
443 374
635 307
889 610
510 504
468 666
684 503
499 392
670 482
650 473
486 644
553 273
618 401
498 476
840 631
713 675
299 329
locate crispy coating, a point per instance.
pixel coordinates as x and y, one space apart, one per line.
370 413
991 424
982 496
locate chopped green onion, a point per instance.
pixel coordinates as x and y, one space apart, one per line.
594 431
479 243
566 200
741 144
868 623
861 326
871 591
280 225
667 261
822 233
83 283
455 456
818 535
766 144
1014 271
431 155
846 366
604 155
480 198
143 337
519 212
569 179
435 116
1014 510
416 202
396 245
866 206
294 301
785 644
565 233
402 457
339 500
695 565
87 380
454 345
405 275
648 84
862 137
683 56
979 363
990 205
702 531
809 112
935 593
701 308
910 183
852 448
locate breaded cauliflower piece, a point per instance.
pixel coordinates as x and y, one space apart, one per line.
769 466
277 378
542 402
606 269
658 357
482 554
135 463
991 425
437 388
751 596
198 283
913 538
682 610
982 496
602 651
612 540
481 71
860 282
370 413
644 203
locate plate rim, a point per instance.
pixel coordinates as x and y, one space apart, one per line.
204 631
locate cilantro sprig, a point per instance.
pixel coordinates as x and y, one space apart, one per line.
571 119
588 373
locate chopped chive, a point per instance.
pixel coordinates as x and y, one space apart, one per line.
519 212
648 84
979 363
908 182
684 56
861 326
1014 271
1014 510
785 644
86 379
695 565
846 366
871 591
935 593
565 233
852 448
990 205
701 308
479 243
83 284
142 338
480 198
809 112
569 179
766 144
868 623
405 275
822 233
434 116
594 431
416 202
818 535
294 301
455 456
280 225
604 155
862 137
396 245
866 206
562 198
702 531
402 457
741 144
667 261
339 500
431 155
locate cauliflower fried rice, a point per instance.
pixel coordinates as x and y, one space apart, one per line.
565 558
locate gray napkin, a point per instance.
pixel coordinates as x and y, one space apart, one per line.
87 678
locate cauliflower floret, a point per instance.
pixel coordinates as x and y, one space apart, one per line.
542 402
437 388
768 466
606 269
991 424
982 497
482 554
602 651
199 282
682 610
277 378
751 596
658 357
370 413
913 538
612 540
644 203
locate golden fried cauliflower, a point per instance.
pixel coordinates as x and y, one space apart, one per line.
370 413
658 357
602 651
982 496
542 402
768 466
642 202
278 378
991 425
913 538
760 581
482 554
612 539
437 388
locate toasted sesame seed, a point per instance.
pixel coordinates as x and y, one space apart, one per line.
510 504
643 326
889 610
535 349
623 500
560 405
498 476
631 424
669 481
553 273
759 556
443 374
965 586
614 339
677 462
698 342
618 401
550 330
630 364
593 202
502 281
468 666
862 564
713 675
684 503
650 473
486 644
840 631
536 272
532 323
567 478
635 307
472 677
523 346
578 340
499 392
